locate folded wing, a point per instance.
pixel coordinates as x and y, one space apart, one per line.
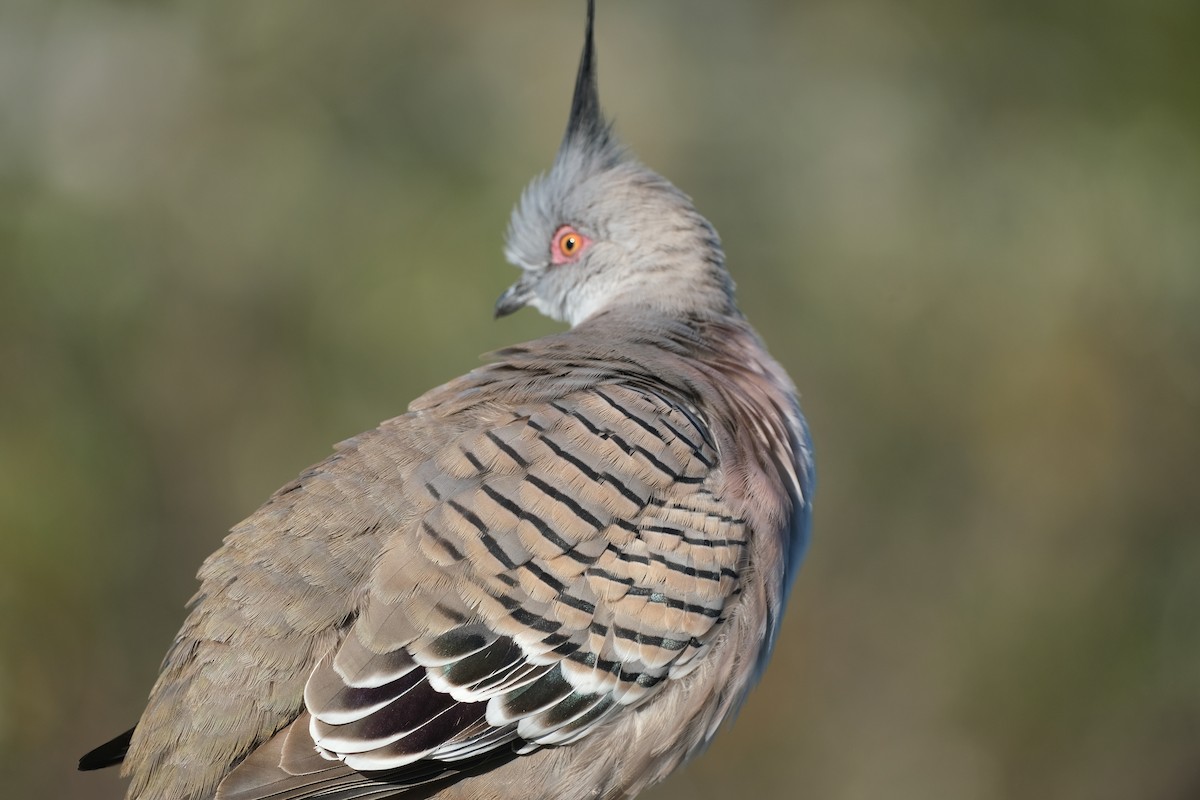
574 557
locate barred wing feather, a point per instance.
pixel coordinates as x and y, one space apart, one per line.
571 558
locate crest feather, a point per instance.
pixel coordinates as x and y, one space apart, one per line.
587 130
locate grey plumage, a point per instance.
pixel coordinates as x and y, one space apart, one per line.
552 578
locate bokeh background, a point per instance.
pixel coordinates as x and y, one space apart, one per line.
234 233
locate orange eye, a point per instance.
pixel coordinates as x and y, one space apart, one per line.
568 244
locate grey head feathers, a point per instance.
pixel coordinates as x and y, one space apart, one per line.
600 230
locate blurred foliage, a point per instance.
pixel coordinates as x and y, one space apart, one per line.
234 233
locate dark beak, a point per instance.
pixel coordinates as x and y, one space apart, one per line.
515 297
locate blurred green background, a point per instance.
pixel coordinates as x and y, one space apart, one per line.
234 233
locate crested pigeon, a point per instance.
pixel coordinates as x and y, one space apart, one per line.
554 577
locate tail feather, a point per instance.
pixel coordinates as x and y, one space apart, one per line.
108 754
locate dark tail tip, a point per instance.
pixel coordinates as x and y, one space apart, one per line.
108 754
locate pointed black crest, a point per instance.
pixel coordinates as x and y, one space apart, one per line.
586 126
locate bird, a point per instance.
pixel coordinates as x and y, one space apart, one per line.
553 577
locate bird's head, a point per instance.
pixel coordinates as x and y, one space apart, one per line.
600 230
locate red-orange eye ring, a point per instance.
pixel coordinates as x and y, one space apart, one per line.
567 244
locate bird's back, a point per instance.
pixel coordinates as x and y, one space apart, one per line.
570 544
